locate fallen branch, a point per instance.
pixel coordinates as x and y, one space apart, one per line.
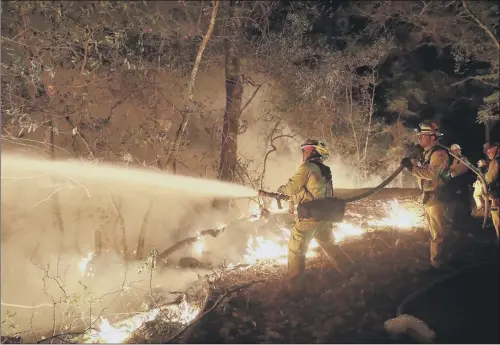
212 308
142 234
189 240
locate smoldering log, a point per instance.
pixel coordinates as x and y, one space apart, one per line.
189 240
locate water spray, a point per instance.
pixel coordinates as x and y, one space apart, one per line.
15 166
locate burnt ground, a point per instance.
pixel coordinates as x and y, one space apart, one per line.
389 266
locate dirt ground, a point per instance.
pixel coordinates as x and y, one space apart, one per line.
390 265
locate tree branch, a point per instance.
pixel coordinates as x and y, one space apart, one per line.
481 24
273 149
187 112
481 79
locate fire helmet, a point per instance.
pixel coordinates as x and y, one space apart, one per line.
317 149
455 147
428 127
488 146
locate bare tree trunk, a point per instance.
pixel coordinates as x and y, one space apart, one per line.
142 235
398 144
370 116
234 93
187 112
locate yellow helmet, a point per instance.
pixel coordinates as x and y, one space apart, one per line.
317 149
429 127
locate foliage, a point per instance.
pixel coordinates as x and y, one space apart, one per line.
350 68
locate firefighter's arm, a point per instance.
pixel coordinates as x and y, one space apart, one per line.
492 173
296 182
438 162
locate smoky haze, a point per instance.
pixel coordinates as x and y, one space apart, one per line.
92 196
41 256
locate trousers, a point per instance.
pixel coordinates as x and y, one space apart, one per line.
440 220
298 244
478 194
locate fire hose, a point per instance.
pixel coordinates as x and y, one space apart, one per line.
340 202
279 197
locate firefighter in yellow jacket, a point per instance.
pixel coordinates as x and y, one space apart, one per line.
492 178
312 180
432 171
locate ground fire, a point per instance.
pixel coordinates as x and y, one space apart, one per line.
260 249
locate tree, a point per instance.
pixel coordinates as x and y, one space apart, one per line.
234 93
469 28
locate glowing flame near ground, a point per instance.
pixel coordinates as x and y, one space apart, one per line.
259 248
82 265
123 330
198 248
345 230
399 217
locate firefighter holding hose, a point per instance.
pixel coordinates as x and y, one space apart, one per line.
313 180
432 171
492 178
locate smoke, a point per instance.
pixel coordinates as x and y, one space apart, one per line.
32 286
50 214
282 163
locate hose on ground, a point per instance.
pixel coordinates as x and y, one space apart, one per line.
402 306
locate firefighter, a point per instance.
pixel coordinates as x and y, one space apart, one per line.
313 180
492 180
460 185
478 186
458 168
432 171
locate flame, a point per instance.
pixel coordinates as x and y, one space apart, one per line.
260 248
123 330
198 248
82 265
346 230
400 217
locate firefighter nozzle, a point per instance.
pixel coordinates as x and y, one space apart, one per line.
277 196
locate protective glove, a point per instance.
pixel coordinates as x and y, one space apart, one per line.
407 163
281 189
